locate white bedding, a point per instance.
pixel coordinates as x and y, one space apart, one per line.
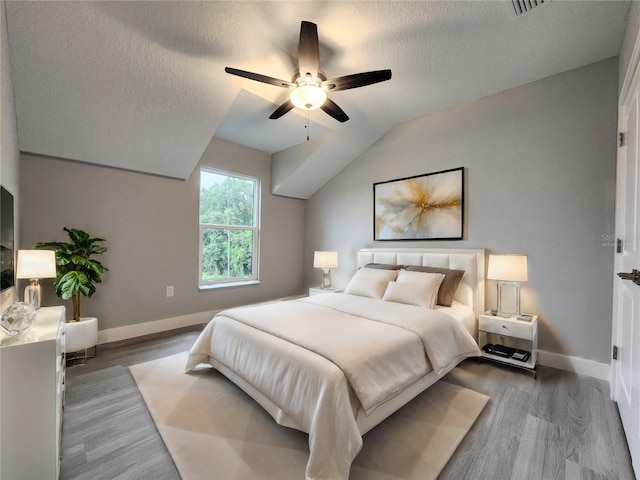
464 314
382 349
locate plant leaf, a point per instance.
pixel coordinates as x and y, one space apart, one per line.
71 283
77 272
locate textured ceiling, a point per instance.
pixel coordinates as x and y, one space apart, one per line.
141 85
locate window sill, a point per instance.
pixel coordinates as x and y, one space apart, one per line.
217 286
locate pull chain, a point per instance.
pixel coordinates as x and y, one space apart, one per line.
307 125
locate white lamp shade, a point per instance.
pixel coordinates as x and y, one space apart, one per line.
36 264
508 268
325 260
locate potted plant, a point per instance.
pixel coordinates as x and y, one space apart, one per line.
77 273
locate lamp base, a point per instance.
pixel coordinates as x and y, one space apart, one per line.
326 279
33 294
508 308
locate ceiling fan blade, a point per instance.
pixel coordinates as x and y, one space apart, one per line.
281 110
356 80
259 78
333 110
308 50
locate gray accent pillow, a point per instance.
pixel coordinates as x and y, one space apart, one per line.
452 279
385 266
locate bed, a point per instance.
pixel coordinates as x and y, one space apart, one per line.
335 365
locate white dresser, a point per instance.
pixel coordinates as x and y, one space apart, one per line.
31 398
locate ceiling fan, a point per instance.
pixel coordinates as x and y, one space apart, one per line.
309 85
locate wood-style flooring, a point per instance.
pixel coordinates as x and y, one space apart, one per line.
560 426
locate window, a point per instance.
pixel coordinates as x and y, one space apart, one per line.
229 228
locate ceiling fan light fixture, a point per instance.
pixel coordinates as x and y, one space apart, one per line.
308 97
309 85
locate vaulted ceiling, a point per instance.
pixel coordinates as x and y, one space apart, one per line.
141 85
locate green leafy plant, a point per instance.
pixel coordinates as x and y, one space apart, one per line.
77 273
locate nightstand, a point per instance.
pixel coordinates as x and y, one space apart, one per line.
319 290
511 332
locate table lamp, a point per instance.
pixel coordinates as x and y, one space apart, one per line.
35 264
509 271
325 261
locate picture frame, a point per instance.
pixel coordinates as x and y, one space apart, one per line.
423 207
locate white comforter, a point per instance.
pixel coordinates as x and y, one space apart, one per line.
324 357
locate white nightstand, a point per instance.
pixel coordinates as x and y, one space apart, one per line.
319 290
510 332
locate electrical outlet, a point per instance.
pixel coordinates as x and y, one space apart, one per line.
170 291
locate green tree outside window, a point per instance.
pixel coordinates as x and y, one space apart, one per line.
228 227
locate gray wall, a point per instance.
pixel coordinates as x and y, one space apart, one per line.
631 32
151 227
540 177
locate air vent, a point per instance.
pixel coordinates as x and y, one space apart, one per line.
524 6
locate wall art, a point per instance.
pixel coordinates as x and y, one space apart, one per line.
424 207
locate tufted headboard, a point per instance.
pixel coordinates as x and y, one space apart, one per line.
469 260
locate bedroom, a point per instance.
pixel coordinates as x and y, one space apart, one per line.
520 199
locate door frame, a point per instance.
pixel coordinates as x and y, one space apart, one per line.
628 93
631 78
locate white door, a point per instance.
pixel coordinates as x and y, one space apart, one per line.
626 301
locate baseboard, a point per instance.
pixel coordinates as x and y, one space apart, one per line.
579 365
155 326
568 363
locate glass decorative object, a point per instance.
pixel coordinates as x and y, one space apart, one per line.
18 318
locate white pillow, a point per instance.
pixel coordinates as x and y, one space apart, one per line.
464 294
370 282
414 288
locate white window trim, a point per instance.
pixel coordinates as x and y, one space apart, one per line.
254 279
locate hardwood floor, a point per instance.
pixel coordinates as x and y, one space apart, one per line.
560 426
107 430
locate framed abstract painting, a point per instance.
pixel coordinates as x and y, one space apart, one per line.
424 207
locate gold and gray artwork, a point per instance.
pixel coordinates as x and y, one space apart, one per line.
423 207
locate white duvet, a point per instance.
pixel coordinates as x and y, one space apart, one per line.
322 358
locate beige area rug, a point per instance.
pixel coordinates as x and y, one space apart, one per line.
213 430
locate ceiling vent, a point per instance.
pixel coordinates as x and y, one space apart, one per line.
524 6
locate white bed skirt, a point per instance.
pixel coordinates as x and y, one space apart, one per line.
364 422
